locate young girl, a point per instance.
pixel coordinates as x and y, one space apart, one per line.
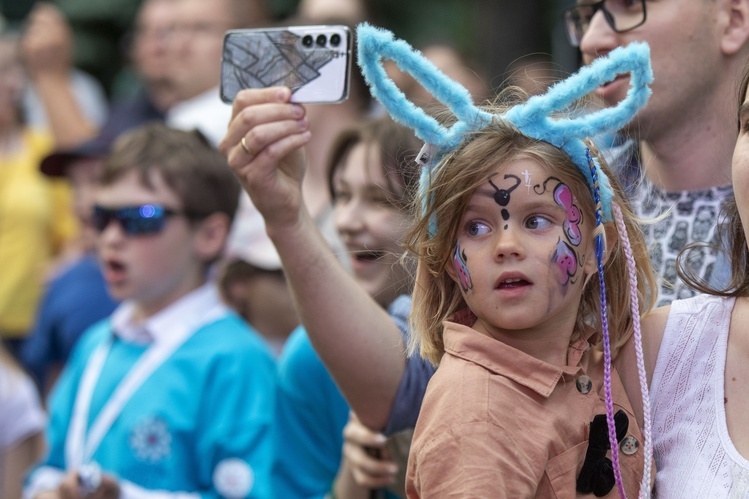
701 350
372 180
507 300
510 271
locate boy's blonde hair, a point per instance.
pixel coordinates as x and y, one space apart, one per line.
453 181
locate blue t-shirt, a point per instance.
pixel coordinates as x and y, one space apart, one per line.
202 422
311 414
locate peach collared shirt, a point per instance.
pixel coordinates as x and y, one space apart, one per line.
499 423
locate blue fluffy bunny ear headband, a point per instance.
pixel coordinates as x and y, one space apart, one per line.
534 119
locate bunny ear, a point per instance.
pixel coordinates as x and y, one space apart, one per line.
375 44
533 119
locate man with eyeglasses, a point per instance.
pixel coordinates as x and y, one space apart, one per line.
684 138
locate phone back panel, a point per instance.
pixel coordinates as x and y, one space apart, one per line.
290 56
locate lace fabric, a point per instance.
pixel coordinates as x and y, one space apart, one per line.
694 455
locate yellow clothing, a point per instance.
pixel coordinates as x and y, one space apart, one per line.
36 220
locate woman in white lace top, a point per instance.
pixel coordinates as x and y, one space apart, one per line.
698 354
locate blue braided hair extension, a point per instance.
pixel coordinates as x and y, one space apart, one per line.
605 332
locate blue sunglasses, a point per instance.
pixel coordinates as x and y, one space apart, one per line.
134 220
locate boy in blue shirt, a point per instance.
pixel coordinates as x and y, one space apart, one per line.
173 395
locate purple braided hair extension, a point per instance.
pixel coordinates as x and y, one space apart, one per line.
635 311
606 337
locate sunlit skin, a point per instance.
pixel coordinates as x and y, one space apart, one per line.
370 226
150 45
740 166
525 291
153 270
195 44
737 370
681 35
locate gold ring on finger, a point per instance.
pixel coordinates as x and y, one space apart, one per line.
243 143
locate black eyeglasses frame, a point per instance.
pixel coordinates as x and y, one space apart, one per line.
574 35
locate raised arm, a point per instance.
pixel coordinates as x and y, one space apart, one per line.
356 339
47 48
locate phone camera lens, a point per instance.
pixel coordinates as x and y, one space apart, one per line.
307 41
321 40
335 40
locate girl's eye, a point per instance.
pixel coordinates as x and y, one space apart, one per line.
475 229
537 222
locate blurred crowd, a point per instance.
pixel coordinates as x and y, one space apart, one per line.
114 382
58 127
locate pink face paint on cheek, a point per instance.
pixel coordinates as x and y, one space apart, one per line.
563 197
461 268
565 259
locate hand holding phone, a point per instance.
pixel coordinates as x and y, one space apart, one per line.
313 61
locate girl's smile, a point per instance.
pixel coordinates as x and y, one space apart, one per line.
369 224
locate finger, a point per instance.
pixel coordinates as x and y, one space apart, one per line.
259 138
262 148
368 464
68 488
255 96
357 433
257 115
370 473
109 489
371 481
278 150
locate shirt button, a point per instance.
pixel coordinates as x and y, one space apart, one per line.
629 445
584 384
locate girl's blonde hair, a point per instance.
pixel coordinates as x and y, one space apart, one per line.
443 202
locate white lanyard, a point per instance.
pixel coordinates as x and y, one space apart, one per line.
80 447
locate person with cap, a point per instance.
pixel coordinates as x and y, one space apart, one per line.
252 280
76 297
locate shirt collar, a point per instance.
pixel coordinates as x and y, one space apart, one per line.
187 313
466 343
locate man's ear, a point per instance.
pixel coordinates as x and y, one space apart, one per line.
734 15
210 236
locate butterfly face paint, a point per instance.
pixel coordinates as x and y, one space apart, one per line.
566 259
459 263
565 255
563 197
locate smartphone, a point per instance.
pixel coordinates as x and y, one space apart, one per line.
313 61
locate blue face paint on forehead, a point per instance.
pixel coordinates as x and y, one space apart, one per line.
533 118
